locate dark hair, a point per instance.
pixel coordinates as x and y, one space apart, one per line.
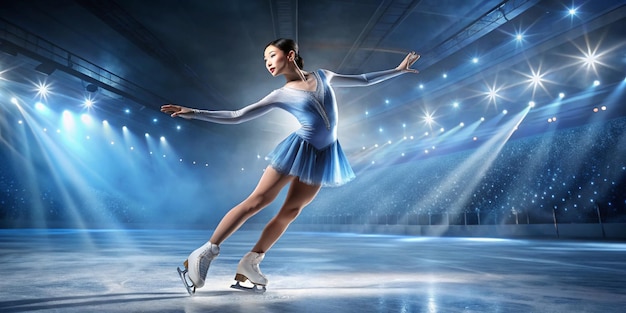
287 45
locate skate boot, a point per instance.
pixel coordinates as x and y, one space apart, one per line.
248 269
197 266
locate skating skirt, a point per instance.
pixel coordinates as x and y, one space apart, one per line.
328 167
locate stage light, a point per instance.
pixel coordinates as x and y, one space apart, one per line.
482 119
475 60
462 124
603 108
367 113
445 75
86 119
595 110
91 88
14 100
505 112
68 120
572 11
42 90
147 135
386 101
127 111
124 128
596 83
40 106
442 129
20 122
380 129
178 127
403 125
531 104
475 138
105 123
561 95
88 103
519 37
112 142
162 139
154 120
428 118
455 104
421 86
45 68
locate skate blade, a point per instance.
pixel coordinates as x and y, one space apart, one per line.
191 289
254 288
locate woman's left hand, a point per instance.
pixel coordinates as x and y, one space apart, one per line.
408 61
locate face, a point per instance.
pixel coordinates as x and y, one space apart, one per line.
276 61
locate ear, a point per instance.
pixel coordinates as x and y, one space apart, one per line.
291 55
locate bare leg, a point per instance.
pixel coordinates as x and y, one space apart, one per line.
299 195
265 192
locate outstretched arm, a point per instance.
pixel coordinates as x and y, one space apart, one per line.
367 79
223 117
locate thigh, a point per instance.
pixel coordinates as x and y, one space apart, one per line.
299 195
270 185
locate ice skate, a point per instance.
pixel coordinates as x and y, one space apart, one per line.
248 270
197 266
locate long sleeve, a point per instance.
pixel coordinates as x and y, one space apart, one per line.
244 114
357 80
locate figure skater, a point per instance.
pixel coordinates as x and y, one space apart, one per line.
307 160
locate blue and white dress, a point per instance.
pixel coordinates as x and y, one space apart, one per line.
312 153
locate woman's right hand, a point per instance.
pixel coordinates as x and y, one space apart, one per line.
175 110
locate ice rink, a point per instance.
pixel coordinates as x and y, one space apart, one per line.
135 271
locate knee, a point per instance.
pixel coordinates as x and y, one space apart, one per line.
255 203
289 215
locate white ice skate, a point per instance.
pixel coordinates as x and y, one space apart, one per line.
248 269
197 266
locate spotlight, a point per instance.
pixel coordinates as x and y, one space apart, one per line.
596 83
531 104
88 103
40 107
445 75
91 88
595 110
45 68
475 138
572 11
162 139
422 85
519 37
14 100
455 104
147 135
505 112
561 95
475 60
127 111
462 124
603 108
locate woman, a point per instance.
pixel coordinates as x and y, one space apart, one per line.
308 159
